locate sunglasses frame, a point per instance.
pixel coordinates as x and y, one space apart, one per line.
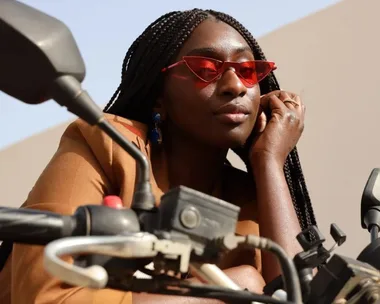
222 68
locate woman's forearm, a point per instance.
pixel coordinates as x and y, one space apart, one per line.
144 298
244 276
163 299
276 215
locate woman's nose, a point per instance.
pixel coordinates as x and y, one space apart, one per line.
230 84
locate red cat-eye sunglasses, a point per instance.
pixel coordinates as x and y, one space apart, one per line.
209 69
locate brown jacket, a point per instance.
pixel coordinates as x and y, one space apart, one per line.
87 166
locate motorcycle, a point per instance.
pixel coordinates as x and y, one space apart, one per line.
110 244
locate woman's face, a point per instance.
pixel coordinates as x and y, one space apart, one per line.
194 108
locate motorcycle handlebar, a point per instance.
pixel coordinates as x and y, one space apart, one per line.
111 230
39 227
35 226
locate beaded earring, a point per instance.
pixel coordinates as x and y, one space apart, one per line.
156 134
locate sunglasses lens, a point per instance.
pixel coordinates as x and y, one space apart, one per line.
205 68
247 70
255 71
208 69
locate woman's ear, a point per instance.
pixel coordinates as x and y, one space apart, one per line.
159 107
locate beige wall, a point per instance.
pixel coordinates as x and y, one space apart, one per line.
331 59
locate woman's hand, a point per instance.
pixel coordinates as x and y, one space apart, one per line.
278 130
278 133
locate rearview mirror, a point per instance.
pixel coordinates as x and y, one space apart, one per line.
35 50
371 199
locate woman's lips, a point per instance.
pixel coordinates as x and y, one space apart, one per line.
232 113
232 117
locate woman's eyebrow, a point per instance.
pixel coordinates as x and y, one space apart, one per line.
205 51
210 51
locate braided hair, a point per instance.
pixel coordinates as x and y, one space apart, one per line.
154 49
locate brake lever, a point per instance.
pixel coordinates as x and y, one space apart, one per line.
136 245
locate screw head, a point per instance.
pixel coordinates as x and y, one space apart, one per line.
190 217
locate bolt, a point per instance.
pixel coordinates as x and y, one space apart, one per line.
190 217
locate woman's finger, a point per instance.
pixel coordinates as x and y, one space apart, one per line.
271 102
261 123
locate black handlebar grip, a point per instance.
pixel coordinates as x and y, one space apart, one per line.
34 226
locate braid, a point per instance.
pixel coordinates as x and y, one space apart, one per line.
152 51
292 169
129 54
155 49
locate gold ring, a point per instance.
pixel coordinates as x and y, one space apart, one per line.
291 101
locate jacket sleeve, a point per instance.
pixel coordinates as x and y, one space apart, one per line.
79 173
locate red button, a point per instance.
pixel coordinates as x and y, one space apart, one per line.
113 201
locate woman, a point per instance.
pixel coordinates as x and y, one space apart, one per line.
184 109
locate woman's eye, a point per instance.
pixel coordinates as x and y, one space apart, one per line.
247 71
207 72
207 69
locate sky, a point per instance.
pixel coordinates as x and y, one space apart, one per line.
104 30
